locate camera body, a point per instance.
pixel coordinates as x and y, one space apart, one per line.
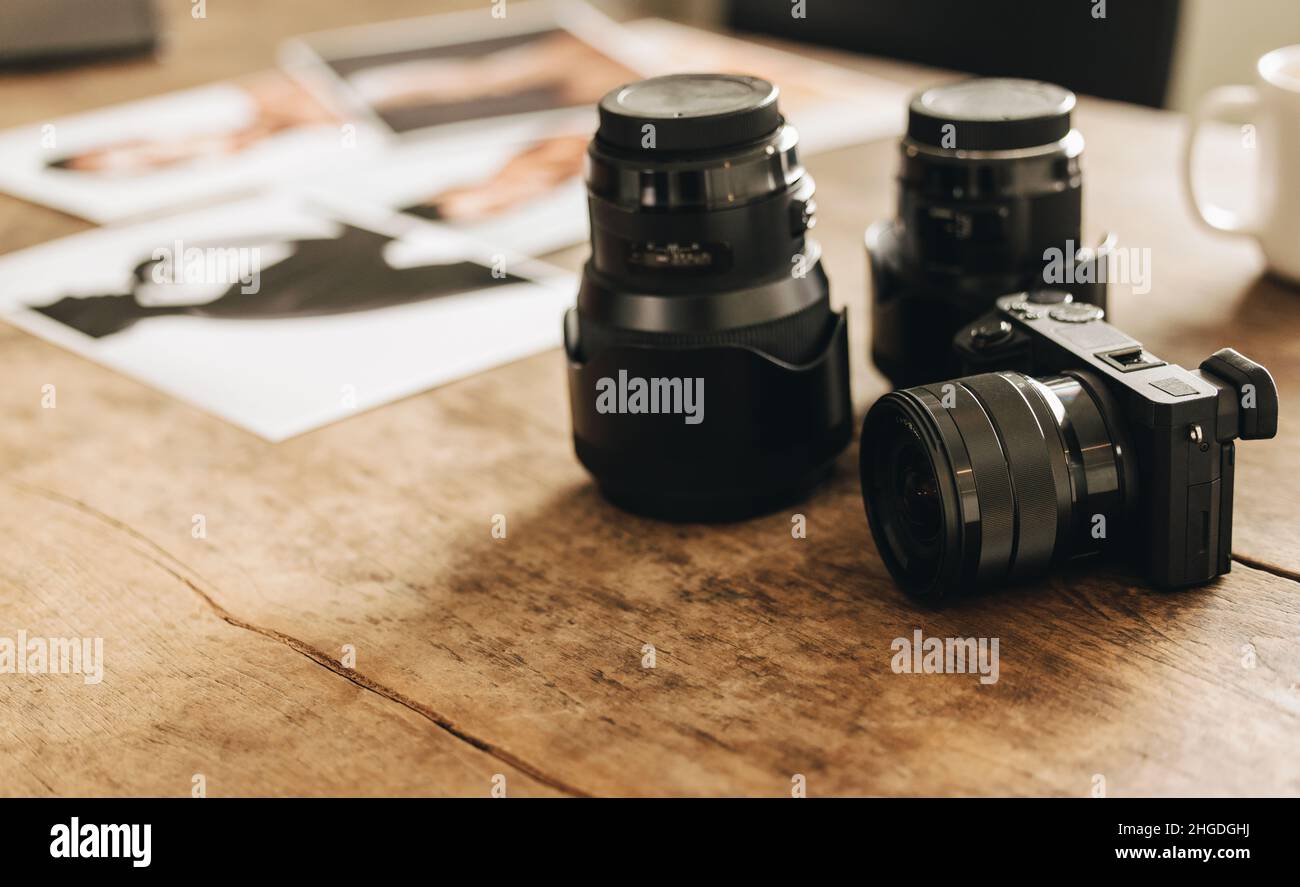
1173 430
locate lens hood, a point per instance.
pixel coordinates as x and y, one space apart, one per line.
767 430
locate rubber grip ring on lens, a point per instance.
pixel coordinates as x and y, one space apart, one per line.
1033 486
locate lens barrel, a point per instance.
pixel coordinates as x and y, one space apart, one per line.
989 182
702 277
993 478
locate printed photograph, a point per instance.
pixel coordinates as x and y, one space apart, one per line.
526 196
538 59
281 317
181 149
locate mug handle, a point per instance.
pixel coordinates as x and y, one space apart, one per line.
1218 103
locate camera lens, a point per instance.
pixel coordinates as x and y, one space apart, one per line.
702 276
992 478
989 183
990 177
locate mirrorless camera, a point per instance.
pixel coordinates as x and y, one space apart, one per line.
1065 439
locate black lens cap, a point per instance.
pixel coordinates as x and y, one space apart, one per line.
990 114
688 112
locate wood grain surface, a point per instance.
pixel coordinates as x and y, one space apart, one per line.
481 658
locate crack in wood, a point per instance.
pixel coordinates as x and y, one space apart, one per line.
302 648
1262 566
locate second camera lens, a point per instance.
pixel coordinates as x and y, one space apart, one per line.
703 282
989 184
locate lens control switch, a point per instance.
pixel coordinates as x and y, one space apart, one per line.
803 216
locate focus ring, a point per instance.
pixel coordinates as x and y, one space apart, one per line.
1033 485
992 482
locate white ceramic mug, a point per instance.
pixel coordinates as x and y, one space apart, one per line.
1272 105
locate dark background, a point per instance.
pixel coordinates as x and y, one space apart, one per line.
1125 56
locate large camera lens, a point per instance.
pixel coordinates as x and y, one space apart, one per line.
992 478
702 279
989 184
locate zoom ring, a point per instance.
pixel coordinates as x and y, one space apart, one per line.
1020 471
1009 403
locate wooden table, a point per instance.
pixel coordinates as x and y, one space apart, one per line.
479 658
